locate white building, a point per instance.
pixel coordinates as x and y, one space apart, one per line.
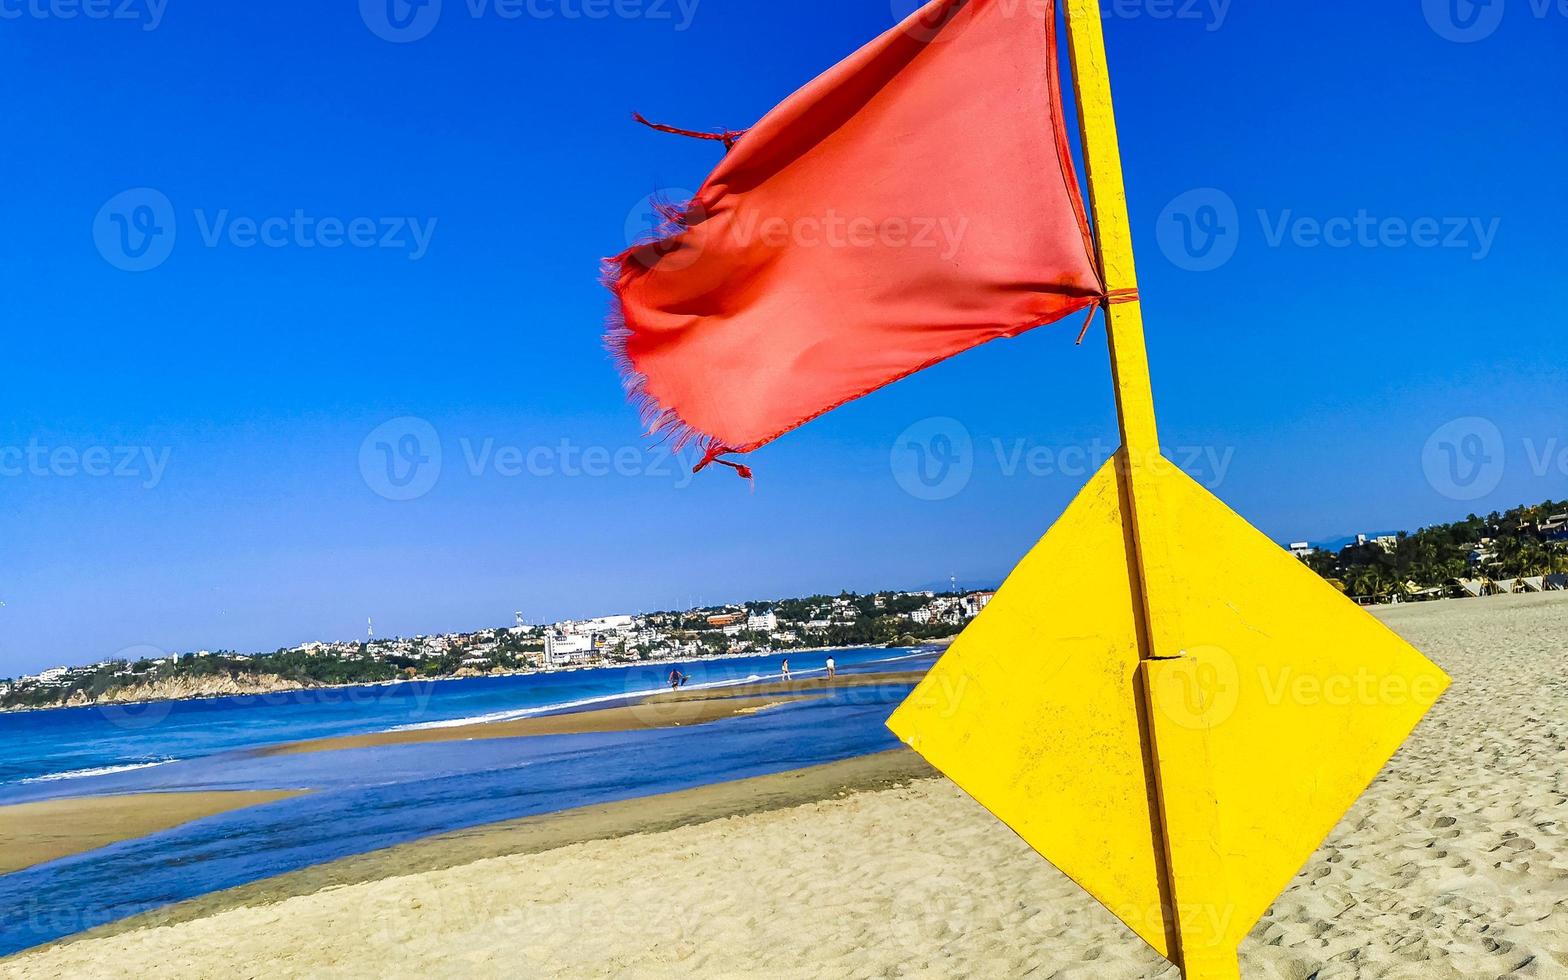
763 623
977 601
605 624
1302 549
562 648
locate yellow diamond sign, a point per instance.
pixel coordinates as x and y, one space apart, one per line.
1185 786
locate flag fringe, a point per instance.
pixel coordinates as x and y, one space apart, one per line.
660 422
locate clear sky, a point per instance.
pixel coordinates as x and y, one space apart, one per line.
187 456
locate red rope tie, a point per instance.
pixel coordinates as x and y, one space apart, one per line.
1115 297
712 456
727 137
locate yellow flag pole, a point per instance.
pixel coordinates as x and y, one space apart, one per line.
1150 564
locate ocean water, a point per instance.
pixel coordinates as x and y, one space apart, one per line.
366 799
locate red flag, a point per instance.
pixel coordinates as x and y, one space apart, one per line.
915 201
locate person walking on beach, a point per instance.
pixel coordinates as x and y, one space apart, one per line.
676 678
832 668
786 671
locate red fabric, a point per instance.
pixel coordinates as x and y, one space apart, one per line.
911 203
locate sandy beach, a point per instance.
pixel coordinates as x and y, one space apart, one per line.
32 833
1454 865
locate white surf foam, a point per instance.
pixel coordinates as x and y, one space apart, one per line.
543 709
98 771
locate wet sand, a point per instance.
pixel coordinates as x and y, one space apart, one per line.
672 709
809 685
547 832
666 714
33 833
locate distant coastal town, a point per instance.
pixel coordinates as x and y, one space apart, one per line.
1522 550
819 622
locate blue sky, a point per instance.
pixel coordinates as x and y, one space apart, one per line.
187 457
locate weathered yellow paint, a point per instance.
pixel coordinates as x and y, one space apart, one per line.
1280 703
1143 507
1160 700
1032 711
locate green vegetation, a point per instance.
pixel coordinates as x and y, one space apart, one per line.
1519 543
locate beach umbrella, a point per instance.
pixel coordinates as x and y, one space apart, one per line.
1180 724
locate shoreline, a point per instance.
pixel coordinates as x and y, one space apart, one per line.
673 709
294 687
535 835
37 833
